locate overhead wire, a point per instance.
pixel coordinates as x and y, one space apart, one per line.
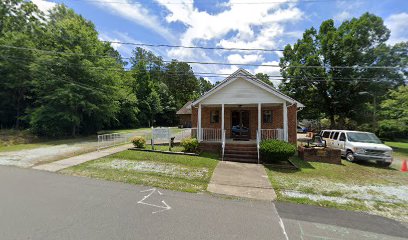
209 74
206 63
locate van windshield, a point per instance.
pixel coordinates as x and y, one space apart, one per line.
363 137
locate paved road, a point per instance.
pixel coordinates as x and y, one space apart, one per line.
43 205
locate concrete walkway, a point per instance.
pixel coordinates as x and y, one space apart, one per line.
72 161
241 180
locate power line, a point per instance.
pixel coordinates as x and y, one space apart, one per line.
209 63
195 47
215 75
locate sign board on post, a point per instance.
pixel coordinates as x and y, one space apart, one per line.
160 133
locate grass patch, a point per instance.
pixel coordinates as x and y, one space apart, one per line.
174 172
400 147
165 148
350 186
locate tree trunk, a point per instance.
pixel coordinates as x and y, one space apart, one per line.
73 130
332 121
342 122
18 110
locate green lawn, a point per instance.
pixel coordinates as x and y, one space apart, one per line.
363 187
165 148
175 172
400 147
129 130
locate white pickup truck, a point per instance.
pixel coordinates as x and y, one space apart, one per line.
355 145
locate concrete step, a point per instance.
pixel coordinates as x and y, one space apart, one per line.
245 160
232 155
241 148
241 152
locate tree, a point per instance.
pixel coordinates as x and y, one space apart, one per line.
21 26
180 79
204 85
332 91
77 90
394 114
264 78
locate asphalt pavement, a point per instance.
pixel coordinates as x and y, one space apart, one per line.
44 205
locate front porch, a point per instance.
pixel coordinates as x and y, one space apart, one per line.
243 122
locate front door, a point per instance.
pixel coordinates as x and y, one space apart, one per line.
240 124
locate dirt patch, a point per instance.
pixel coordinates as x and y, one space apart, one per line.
168 169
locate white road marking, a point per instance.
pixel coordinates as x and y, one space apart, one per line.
281 223
165 206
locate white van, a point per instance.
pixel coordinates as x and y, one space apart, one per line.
355 145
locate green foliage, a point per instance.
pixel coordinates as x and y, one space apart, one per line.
189 144
333 92
394 114
78 84
138 142
276 150
264 78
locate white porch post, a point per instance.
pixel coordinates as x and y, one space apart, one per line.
199 123
285 122
259 119
222 118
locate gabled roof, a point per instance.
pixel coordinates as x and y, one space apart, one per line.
250 78
186 109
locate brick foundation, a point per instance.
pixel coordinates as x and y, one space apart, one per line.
325 155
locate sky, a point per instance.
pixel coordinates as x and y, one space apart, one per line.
262 24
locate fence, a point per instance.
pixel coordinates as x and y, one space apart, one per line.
113 139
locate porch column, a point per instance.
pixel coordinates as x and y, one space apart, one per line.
222 118
285 122
259 119
199 123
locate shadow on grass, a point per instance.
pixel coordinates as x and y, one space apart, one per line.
278 168
295 164
214 156
374 165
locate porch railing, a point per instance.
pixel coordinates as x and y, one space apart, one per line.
211 134
271 134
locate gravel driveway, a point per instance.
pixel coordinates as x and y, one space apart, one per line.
31 157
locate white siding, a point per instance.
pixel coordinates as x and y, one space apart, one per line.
241 91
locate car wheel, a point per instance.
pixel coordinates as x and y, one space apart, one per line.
383 164
350 156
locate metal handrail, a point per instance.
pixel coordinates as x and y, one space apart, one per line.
223 144
257 143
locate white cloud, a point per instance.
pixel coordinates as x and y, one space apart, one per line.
272 71
44 6
240 19
138 14
238 26
228 70
398 24
344 15
249 58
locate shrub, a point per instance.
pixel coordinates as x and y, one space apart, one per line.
138 142
276 150
189 144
